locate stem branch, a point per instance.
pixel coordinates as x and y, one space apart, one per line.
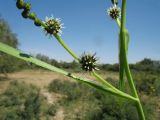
66 47
118 92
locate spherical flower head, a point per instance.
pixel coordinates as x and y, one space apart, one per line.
54 25
88 62
114 12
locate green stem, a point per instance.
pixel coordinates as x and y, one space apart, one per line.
118 22
121 64
121 71
133 89
103 81
66 47
127 69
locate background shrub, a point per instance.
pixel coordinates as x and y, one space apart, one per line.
86 103
23 102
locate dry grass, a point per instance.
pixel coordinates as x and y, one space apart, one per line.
41 78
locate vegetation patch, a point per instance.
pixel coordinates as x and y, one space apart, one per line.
24 102
86 103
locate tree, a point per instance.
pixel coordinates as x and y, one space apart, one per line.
8 37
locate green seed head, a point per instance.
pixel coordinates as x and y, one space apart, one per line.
20 4
25 14
27 6
54 25
114 12
88 62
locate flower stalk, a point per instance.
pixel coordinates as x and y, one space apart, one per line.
126 66
60 40
23 5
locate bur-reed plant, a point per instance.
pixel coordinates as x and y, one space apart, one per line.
53 27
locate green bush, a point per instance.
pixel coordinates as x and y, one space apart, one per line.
91 104
52 110
148 84
32 107
23 102
71 89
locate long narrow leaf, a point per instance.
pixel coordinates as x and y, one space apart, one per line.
21 55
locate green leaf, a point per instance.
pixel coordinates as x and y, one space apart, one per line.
21 55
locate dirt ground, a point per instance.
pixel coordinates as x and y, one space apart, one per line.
41 78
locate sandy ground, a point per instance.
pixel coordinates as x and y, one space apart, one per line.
42 78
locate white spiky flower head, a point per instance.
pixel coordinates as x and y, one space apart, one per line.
114 12
88 62
54 25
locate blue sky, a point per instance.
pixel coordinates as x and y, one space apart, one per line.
88 28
